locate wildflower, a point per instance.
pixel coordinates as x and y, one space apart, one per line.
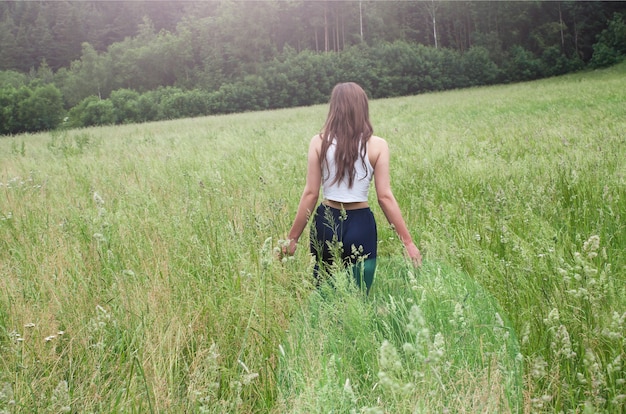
458 319
500 331
99 237
248 378
616 327
243 366
408 348
6 395
499 320
61 397
438 348
389 358
412 280
417 323
15 336
203 384
236 386
392 307
266 253
347 388
615 366
541 401
595 373
343 214
562 337
98 200
538 368
103 311
96 326
552 319
591 246
526 334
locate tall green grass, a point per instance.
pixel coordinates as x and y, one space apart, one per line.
138 274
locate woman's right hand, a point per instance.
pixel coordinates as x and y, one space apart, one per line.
291 248
287 247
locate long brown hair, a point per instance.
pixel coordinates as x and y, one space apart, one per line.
349 125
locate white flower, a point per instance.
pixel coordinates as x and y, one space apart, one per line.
98 200
243 366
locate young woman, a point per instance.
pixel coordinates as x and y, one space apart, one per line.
343 159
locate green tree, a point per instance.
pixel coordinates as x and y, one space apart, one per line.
244 30
92 111
147 107
125 106
207 69
478 67
89 76
554 62
522 65
42 110
17 120
12 78
44 73
67 34
8 110
611 45
40 39
8 45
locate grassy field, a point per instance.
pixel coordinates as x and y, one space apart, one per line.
138 269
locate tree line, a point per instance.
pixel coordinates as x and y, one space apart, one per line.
93 63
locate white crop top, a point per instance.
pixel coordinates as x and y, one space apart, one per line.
339 191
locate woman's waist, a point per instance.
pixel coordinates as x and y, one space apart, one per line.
340 205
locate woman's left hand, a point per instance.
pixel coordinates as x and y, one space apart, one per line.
414 254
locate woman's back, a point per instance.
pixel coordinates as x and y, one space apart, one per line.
340 190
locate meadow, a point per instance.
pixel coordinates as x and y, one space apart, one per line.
138 266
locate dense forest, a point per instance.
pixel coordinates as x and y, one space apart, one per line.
80 63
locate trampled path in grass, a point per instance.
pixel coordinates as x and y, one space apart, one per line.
426 339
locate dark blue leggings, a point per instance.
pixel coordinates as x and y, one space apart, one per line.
348 234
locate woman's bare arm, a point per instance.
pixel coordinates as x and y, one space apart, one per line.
310 195
379 154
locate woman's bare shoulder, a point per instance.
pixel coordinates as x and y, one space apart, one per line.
375 147
377 143
316 141
377 139
315 144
